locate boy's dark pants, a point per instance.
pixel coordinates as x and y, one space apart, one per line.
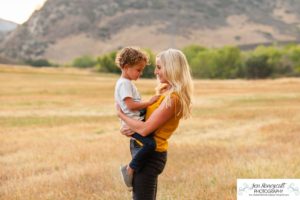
149 145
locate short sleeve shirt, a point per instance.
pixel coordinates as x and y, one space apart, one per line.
125 88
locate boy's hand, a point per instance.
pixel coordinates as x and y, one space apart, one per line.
125 130
154 99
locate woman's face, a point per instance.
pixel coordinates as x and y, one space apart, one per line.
159 71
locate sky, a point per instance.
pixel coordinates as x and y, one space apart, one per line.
19 11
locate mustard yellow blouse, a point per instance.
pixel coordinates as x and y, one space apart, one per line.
163 133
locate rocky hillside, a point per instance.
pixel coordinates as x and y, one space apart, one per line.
65 29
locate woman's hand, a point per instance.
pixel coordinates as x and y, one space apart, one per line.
154 99
125 130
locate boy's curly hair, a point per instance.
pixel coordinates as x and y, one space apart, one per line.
130 56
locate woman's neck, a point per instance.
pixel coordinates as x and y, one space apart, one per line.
163 88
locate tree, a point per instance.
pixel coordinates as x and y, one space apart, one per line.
229 62
257 66
293 55
191 51
215 63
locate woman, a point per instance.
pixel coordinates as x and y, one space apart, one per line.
172 71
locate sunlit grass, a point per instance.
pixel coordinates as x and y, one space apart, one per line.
60 137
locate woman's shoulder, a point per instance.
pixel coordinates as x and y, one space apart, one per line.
176 99
173 96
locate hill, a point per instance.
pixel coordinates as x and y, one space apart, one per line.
65 29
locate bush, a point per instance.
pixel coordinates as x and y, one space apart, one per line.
293 59
149 69
229 62
221 63
191 51
203 65
84 62
214 63
257 66
106 63
39 63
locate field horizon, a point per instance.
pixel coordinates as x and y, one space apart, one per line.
60 138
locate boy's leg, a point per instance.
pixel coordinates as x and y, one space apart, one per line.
149 146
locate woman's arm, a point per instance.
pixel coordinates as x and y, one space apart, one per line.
160 116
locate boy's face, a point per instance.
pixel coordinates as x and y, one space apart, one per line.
134 72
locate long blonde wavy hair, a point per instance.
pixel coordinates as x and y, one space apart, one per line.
176 70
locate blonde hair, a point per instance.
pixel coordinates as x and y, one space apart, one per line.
176 70
130 56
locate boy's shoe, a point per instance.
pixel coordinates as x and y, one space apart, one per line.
127 178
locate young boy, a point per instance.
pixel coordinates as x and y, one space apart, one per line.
132 62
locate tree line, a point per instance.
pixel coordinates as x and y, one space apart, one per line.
228 62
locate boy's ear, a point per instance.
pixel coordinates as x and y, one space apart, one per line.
125 66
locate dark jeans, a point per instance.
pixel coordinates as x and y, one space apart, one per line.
145 180
140 157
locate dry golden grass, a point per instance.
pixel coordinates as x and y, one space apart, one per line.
59 136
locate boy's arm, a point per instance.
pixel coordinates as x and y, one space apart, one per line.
133 105
160 116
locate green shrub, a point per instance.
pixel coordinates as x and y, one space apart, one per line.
216 63
149 69
84 62
106 63
293 59
39 63
257 66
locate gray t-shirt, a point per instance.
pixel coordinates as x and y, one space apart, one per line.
125 88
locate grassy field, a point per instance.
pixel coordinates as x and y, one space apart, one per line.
59 136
